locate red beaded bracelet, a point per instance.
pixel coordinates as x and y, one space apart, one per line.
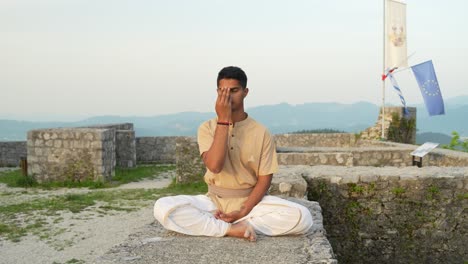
224 123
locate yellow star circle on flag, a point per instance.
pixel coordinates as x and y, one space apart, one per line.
431 88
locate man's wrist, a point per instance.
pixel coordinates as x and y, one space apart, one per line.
244 210
221 123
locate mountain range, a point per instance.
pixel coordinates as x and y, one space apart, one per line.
279 118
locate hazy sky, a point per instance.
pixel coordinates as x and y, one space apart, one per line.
62 59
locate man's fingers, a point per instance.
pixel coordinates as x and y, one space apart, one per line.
226 218
225 95
217 214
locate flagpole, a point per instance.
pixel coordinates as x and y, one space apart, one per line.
383 70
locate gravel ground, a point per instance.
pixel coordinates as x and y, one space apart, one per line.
75 238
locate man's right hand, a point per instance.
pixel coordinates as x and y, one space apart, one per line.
223 104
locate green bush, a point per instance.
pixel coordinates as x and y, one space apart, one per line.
401 129
456 143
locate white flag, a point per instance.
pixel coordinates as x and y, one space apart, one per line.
395 31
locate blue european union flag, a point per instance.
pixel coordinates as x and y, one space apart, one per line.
427 80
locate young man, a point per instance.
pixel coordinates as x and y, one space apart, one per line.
240 158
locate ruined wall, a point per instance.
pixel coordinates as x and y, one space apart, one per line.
11 153
375 132
393 215
189 165
73 154
156 149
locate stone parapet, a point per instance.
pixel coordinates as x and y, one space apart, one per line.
393 215
371 153
315 140
11 153
334 158
116 126
156 149
73 154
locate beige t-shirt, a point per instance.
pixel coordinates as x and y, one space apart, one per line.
251 153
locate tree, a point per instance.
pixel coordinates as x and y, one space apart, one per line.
456 143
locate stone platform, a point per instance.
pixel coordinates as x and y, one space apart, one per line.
153 244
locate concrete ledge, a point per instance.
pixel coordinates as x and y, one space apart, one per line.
153 244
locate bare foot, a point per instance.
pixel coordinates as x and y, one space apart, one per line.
242 230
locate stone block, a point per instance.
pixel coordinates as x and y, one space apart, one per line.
38 142
368 178
288 184
350 179
57 143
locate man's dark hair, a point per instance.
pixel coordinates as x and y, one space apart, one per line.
233 72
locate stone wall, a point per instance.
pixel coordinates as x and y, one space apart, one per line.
156 149
359 153
370 153
11 153
392 215
315 140
189 165
125 149
125 143
73 154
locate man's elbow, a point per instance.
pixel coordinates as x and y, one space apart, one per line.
215 169
212 165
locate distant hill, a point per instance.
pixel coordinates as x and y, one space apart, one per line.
440 138
280 118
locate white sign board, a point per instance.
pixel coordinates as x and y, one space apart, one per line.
424 149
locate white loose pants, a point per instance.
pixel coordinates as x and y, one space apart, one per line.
193 215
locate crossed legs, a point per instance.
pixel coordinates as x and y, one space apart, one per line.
193 215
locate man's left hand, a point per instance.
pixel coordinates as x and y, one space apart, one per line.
230 217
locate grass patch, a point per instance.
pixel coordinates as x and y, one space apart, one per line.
12 232
186 188
140 172
16 179
398 191
74 184
107 200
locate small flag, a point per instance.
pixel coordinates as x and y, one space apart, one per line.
430 90
395 40
389 74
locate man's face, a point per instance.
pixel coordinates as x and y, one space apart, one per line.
237 93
